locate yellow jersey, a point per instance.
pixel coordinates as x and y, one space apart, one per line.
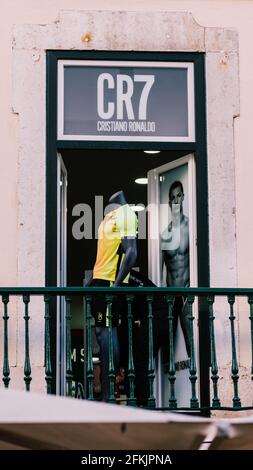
117 224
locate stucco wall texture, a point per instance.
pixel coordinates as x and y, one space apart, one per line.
222 29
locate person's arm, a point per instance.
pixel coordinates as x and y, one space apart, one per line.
129 248
88 280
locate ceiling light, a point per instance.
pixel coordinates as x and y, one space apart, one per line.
152 151
137 208
141 181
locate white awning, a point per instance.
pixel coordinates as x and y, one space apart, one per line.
39 421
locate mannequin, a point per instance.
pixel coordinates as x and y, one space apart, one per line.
116 255
128 243
117 232
118 198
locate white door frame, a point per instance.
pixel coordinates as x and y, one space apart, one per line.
154 245
62 183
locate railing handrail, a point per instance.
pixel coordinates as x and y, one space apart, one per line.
198 291
206 325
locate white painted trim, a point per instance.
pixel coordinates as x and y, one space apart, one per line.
191 102
61 274
126 63
154 251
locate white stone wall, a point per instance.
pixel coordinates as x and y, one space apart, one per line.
162 26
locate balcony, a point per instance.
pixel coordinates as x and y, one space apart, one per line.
205 371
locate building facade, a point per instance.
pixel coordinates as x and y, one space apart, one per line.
38 42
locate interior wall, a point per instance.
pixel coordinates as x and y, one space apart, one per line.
99 174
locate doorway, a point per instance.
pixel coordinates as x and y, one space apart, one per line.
93 176
173 145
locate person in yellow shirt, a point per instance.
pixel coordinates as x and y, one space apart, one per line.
116 255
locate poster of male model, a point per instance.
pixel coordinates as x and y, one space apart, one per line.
175 252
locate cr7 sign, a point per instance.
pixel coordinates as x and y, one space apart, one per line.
124 87
125 100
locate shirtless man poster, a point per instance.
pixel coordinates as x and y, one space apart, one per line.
175 256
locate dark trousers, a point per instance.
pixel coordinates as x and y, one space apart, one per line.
102 334
99 308
160 341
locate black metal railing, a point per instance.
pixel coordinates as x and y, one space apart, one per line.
204 300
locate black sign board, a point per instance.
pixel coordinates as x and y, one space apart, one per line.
125 101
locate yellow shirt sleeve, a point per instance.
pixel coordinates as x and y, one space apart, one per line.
127 222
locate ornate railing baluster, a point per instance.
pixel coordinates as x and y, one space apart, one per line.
69 373
151 373
27 365
111 398
47 345
172 368
234 366
214 367
194 403
79 391
250 300
209 370
6 367
131 371
89 361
